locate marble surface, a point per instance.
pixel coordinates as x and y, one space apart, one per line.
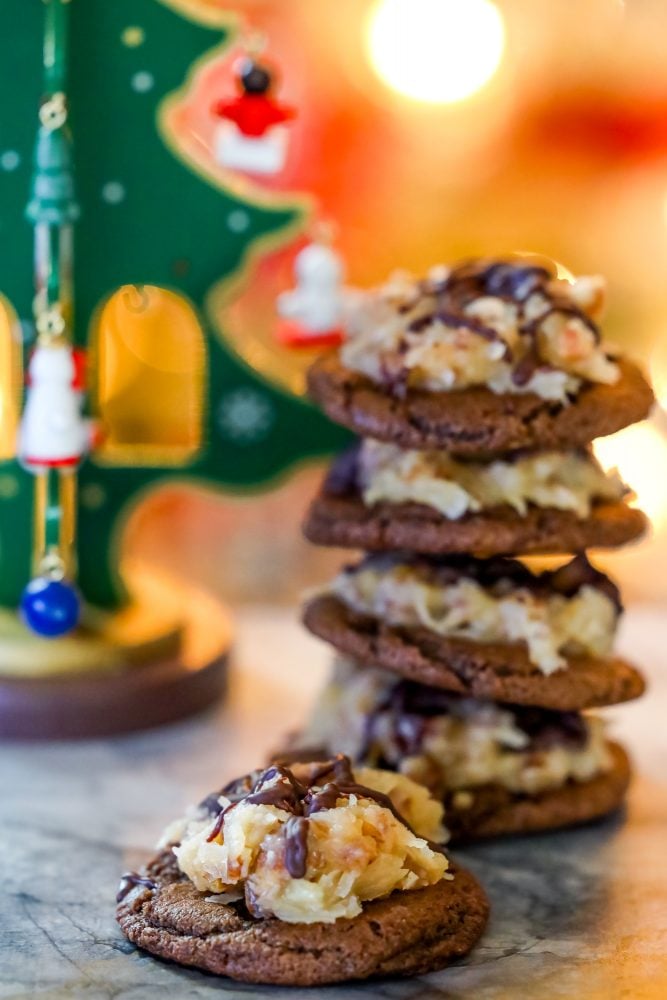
575 914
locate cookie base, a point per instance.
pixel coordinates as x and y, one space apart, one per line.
409 933
496 812
477 422
347 522
491 671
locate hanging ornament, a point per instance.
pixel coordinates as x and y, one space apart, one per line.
251 136
53 438
53 434
50 607
312 312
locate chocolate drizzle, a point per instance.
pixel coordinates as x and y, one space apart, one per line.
296 846
546 730
283 795
455 319
514 283
343 477
404 713
131 879
562 307
524 370
321 787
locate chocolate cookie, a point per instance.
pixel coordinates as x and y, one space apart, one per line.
493 811
476 422
344 520
409 933
491 671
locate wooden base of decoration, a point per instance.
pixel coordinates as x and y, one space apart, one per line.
135 670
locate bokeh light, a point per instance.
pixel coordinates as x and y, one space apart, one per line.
436 51
640 455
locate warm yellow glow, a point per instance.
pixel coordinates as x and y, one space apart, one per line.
150 377
10 380
437 51
658 356
640 454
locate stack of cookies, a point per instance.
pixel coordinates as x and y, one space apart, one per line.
476 393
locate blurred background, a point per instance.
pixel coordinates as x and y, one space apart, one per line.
429 130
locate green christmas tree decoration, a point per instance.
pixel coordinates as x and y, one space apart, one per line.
52 199
147 217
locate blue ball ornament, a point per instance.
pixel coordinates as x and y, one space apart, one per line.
50 607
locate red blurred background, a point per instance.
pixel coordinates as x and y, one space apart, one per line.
429 130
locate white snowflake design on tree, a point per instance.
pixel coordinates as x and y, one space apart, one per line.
245 416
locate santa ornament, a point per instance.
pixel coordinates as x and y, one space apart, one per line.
251 135
53 434
312 312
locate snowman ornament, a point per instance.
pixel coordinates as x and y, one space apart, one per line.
251 135
53 434
312 312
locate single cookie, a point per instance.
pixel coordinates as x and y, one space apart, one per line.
409 933
344 520
493 811
490 671
476 422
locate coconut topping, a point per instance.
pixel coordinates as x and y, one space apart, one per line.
561 480
571 611
311 843
509 326
449 742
